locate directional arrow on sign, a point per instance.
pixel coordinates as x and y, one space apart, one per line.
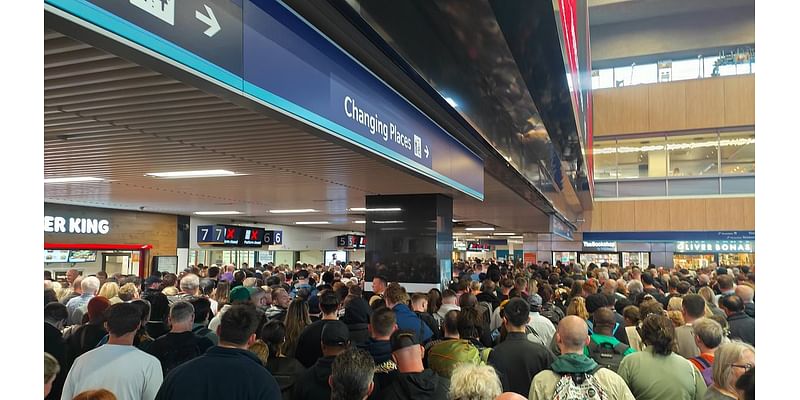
210 20
426 151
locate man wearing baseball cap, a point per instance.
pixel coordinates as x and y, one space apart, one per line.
313 383
543 327
238 295
413 381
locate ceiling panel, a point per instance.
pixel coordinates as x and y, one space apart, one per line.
106 117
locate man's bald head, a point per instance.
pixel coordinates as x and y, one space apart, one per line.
746 293
572 334
510 396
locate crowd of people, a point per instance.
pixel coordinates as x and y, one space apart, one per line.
498 331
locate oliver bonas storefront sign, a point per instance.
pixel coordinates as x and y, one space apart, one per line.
731 246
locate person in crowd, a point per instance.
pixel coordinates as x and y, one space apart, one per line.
159 310
573 365
747 293
379 285
356 315
51 370
650 306
746 385
708 336
170 291
206 291
88 335
55 315
731 361
726 286
517 359
657 372
334 341
381 326
577 307
128 292
297 319
222 294
632 321
226 371
708 295
202 315
543 329
190 289
449 332
463 348
73 291
488 294
505 288
434 301
648 282
302 278
548 308
71 275
449 303
396 299
693 308
351 375
100 367
419 304
412 380
280 304
284 369
110 290
474 382
308 350
741 326
603 347
77 306
238 295
600 300
180 344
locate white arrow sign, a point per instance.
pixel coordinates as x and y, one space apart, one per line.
210 20
426 151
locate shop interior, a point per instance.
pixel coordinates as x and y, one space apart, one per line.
90 262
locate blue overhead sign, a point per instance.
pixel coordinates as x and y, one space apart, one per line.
265 50
670 236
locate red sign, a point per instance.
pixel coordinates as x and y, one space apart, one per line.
529 258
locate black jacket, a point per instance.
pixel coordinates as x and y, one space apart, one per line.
489 298
174 349
313 383
742 327
385 368
285 370
428 319
55 346
425 385
517 360
309 347
83 339
750 310
220 373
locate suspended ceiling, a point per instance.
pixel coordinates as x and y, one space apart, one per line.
109 118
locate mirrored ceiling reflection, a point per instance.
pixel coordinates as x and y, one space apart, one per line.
458 48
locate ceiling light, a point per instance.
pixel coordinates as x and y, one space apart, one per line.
387 222
504 234
461 234
516 237
360 222
374 209
217 212
479 229
312 223
70 180
297 211
192 174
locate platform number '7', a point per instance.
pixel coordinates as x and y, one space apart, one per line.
205 233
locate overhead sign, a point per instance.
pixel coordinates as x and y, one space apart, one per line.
591 245
241 236
265 50
728 246
351 241
478 247
91 226
560 228
670 236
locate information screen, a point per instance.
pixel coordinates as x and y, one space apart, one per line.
56 256
79 256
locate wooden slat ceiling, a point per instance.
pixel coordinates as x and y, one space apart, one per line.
109 118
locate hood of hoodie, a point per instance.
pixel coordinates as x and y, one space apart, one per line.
356 312
573 363
418 386
380 350
322 370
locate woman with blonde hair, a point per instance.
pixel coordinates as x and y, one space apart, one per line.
110 290
577 306
731 361
221 294
675 304
474 382
297 318
708 295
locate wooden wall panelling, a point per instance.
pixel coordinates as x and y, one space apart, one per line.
651 215
722 214
667 106
740 97
621 110
601 111
749 213
705 103
687 214
618 216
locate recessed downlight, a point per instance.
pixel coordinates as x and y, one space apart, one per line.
217 212
210 173
479 229
73 179
312 223
295 211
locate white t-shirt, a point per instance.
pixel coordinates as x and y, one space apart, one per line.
126 371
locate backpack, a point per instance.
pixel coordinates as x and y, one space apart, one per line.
580 386
707 370
606 355
443 357
551 312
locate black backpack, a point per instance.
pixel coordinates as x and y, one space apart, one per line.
606 355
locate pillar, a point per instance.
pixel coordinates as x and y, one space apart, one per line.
410 240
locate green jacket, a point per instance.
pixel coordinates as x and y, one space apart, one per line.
602 339
653 376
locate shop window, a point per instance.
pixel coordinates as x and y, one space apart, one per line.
641 158
605 159
738 152
693 155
